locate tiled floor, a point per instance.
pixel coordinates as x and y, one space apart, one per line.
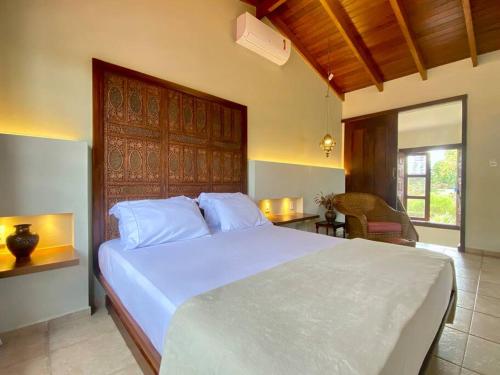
80 344
472 344
76 344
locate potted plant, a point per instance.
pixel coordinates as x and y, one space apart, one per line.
327 201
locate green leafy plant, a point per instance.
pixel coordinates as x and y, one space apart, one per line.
325 200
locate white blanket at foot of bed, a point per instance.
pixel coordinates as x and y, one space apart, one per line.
336 311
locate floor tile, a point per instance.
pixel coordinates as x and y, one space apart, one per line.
435 248
465 299
437 366
455 254
467 285
482 356
83 314
465 371
467 272
101 355
464 263
488 305
491 260
489 266
486 326
462 321
451 346
24 344
490 275
132 369
64 332
489 289
34 366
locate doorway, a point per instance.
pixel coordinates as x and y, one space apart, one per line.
414 157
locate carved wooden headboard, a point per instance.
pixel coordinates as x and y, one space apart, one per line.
156 139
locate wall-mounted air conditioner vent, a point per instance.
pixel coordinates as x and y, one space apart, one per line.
262 39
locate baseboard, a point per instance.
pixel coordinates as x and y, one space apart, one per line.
69 315
486 253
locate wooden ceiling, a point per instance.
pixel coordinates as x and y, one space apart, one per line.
368 42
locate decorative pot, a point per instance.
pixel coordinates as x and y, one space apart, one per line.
22 243
330 216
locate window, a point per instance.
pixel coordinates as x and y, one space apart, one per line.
430 184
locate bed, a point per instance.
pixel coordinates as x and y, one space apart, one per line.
155 139
152 283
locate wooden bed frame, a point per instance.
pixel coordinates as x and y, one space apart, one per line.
154 139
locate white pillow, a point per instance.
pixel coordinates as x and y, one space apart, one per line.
151 222
238 213
206 202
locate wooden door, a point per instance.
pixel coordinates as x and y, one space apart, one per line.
371 154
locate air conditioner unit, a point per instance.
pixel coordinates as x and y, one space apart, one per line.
262 39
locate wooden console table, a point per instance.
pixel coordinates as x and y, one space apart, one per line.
335 225
294 217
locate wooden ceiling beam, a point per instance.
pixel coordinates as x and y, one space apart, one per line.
266 7
471 36
402 19
343 23
285 30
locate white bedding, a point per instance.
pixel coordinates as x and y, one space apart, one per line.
152 282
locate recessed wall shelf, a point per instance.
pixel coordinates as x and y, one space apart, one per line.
41 260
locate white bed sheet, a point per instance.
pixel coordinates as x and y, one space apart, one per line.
152 282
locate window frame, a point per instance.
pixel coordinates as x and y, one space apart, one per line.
427 197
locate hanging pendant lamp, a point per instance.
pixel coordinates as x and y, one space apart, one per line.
327 142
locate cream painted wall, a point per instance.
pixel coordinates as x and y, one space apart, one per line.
438 136
438 236
481 84
45 70
42 177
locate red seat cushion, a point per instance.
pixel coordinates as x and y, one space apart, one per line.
383 227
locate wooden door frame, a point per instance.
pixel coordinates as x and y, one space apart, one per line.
463 192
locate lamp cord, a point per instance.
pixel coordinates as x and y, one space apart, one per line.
327 95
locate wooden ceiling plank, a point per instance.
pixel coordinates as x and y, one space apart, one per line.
285 30
343 23
402 19
266 7
469 24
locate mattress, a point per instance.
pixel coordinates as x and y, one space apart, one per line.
152 282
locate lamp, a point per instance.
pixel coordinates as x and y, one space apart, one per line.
327 143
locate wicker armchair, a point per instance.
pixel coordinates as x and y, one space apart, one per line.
369 216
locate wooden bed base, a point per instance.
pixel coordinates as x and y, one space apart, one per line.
143 350
149 359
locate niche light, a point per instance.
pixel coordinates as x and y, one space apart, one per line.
54 229
276 206
2 235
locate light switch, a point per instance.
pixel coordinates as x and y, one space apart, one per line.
493 163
